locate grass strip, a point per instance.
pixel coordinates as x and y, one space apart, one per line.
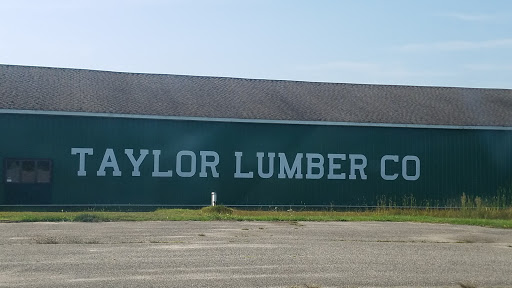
497 218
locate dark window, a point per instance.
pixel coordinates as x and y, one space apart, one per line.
28 171
12 171
43 171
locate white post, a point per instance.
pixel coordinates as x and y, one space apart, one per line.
214 198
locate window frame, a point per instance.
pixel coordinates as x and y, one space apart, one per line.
36 170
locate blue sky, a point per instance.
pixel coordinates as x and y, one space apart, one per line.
434 43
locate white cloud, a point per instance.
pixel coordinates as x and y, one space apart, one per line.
470 17
373 72
342 65
488 67
457 45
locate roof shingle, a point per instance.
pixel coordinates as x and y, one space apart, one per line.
75 90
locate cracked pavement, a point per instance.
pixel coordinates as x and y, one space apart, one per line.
253 254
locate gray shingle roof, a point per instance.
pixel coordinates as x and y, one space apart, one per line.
74 90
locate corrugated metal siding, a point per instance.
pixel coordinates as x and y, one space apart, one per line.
475 162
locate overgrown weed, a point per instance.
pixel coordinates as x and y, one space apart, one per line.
218 209
89 217
469 210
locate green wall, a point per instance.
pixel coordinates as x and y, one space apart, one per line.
452 161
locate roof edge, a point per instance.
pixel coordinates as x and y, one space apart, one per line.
250 79
259 121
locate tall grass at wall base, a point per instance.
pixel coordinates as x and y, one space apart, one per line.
494 211
500 218
501 199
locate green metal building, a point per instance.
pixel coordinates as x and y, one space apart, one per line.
81 137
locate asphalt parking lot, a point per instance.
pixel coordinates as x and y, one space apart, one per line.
253 254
